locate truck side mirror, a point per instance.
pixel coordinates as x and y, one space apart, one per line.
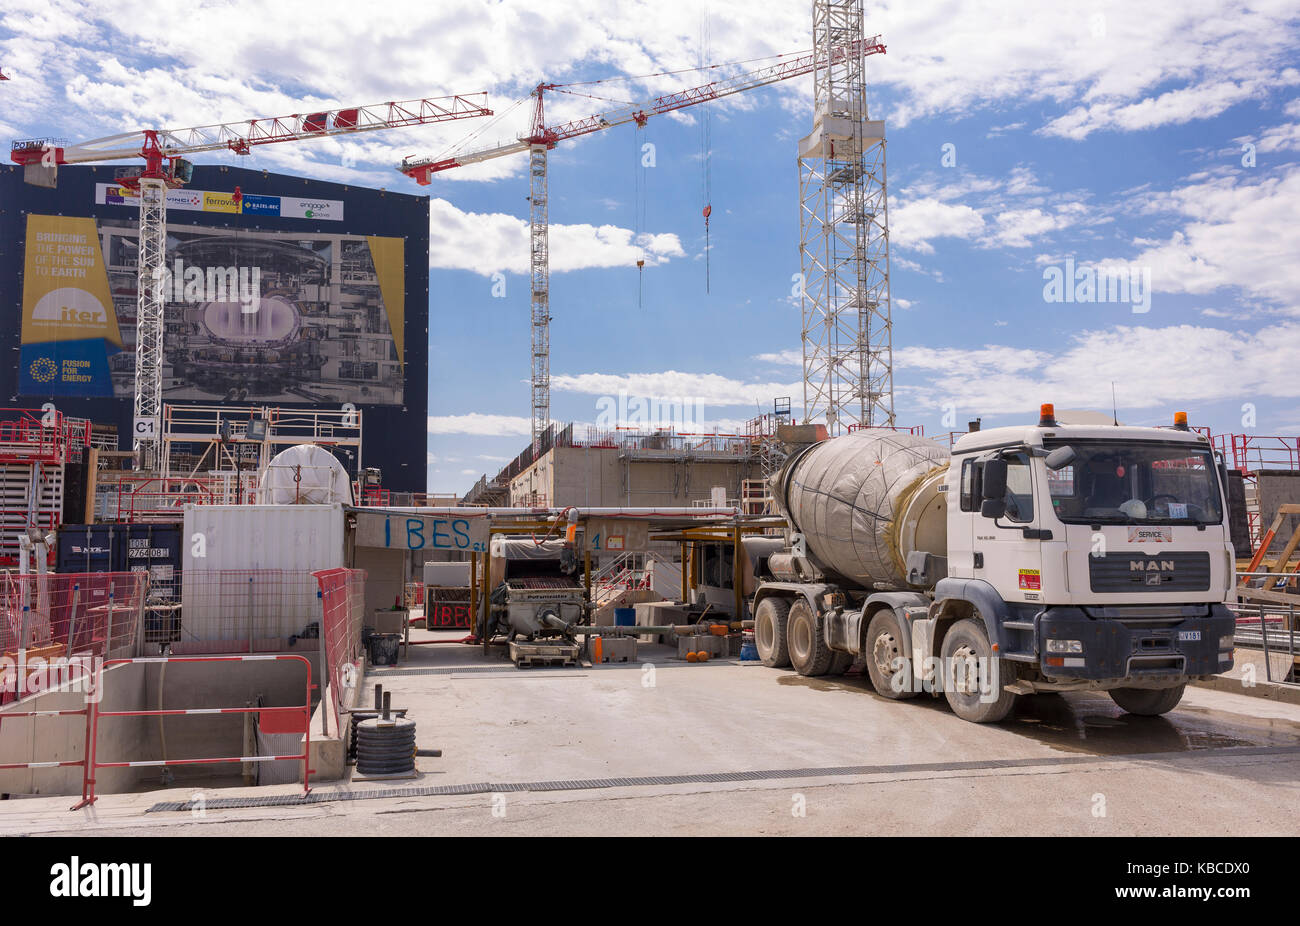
993 507
994 479
1060 458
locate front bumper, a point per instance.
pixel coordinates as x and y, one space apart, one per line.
1131 647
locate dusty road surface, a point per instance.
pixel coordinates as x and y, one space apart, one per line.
669 747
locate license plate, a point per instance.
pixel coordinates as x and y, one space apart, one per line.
1189 635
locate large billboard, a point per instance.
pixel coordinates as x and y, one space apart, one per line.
279 291
250 315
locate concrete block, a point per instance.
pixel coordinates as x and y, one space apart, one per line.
700 643
613 649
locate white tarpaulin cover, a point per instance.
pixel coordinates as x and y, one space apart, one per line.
305 474
843 495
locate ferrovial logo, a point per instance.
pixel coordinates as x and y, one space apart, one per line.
76 878
69 307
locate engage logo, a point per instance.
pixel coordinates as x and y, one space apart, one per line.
76 878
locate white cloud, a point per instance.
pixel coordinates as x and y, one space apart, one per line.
709 388
1236 234
914 223
1149 366
789 357
482 425
1174 107
485 243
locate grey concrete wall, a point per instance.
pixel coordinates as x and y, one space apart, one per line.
384 574
122 739
1278 487
596 477
55 739
215 684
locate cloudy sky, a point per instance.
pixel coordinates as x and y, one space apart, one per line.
1161 138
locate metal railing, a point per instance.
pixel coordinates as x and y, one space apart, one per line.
342 605
92 764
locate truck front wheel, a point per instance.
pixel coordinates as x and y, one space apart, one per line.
1147 702
887 664
809 653
769 632
973 678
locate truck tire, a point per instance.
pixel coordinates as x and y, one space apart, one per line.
884 644
809 653
770 632
1147 702
967 658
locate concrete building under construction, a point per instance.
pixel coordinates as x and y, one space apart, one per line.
637 468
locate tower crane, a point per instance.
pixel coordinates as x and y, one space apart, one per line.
165 153
542 138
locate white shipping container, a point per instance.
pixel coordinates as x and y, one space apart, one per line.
301 537
246 584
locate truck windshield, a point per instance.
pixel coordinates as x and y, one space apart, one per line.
1113 482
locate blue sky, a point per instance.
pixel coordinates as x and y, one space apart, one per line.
1111 134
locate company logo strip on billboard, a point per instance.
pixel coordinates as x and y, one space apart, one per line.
290 207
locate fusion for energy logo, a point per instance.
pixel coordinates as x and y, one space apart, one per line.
43 369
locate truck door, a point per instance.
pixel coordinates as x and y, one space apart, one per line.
1003 556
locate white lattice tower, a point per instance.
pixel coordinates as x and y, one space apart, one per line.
844 239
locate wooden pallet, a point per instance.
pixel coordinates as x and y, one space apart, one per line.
527 655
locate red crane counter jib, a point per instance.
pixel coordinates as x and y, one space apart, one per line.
421 169
159 146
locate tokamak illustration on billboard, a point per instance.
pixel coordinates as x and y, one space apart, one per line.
250 315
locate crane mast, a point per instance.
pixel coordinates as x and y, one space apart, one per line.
843 237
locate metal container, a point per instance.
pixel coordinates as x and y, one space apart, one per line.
155 548
289 537
863 501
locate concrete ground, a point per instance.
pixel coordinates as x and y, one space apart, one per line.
1220 764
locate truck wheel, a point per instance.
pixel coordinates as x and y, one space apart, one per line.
968 663
1147 702
890 678
809 653
770 632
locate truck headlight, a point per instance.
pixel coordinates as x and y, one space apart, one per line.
1065 646
1225 642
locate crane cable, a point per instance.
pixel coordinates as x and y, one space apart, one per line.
639 213
706 151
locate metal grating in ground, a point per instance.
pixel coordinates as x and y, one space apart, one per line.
589 784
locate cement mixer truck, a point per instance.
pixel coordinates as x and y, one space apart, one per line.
1026 559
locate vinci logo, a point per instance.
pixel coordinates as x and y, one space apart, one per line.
71 308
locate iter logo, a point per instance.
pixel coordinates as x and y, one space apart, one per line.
70 307
76 878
